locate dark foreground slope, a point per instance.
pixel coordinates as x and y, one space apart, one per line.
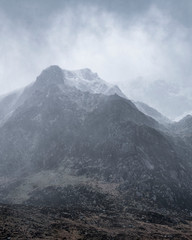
24 222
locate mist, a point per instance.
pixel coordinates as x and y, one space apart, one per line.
146 52
84 152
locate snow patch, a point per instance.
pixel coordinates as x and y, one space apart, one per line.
87 81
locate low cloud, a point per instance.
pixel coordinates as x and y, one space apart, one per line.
148 57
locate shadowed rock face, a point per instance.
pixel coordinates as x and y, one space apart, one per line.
184 126
105 138
50 76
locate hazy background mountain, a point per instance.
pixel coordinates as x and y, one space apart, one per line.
152 113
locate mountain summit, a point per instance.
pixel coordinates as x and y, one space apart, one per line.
51 75
84 80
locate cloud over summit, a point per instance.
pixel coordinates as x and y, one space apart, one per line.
147 51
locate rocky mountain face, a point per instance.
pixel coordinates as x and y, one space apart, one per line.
184 126
182 131
69 135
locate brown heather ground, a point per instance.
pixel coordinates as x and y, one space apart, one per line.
26 222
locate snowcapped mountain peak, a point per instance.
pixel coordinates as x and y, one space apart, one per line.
86 74
87 81
82 75
83 79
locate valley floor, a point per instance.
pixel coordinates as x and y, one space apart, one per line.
27 222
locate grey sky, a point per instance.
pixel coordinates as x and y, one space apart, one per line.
144 46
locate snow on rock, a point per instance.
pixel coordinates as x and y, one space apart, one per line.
87 81
83 79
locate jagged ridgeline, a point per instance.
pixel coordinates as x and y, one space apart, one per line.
72 134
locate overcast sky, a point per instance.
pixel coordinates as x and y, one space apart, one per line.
144 46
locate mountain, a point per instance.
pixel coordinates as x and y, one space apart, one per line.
7 104
70 139
87 81
83 80
183 135
146 109
53 117
184 126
